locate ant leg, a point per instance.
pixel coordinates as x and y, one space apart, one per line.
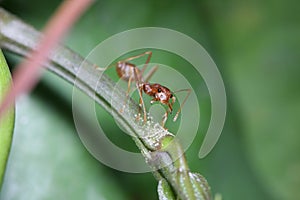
102 68
179 110
140 89
127 93
150 74
165 117
149 53
142 104
128 86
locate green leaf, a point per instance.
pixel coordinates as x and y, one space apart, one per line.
7 120
48 160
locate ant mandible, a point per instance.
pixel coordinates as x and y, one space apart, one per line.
129 72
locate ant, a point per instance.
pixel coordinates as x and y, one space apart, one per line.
130 73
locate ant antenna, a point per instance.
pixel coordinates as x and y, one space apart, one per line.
150 73
179 110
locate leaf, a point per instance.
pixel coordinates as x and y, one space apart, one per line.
7 122
48 161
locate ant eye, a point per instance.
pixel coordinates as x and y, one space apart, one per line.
159 90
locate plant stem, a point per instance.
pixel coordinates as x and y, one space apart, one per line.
7 121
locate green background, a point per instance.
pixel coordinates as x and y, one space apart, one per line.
256 46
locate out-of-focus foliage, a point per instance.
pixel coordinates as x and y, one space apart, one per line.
256 46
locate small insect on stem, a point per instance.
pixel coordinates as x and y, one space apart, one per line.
163 95
130 73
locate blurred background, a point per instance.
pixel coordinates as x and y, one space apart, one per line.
256 46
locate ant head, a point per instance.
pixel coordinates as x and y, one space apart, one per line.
159 92
162 89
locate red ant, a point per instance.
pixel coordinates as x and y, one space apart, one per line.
130 73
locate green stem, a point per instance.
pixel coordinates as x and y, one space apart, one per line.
162 152
6 121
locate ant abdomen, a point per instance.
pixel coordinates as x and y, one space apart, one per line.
125 71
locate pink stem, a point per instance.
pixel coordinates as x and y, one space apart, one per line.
27 74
